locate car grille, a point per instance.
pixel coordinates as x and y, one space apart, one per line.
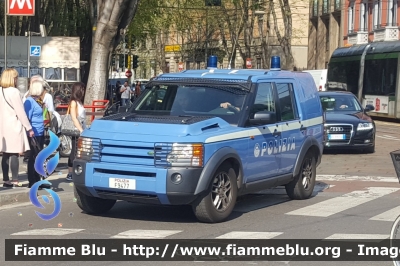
338 133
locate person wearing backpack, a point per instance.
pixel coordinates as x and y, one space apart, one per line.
35 111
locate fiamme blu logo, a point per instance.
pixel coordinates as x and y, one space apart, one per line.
45 166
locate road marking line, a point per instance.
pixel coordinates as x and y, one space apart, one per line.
146 234
358 178
48 232
391 138
358 236
249 235
387 216
338 204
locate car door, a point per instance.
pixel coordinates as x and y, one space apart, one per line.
289 122
262 154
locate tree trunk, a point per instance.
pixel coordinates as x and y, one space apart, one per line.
112 16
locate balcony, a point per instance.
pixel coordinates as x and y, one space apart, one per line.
357 37
386 33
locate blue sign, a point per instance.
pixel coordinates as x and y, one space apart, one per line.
35 50
45 167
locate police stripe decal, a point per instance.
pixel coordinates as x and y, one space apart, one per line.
285 126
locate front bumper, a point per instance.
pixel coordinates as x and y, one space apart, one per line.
358 140
152 185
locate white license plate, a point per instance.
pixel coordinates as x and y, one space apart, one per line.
122 183
337 136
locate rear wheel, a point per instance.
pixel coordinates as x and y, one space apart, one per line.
65 145
303 184
220 200
92 205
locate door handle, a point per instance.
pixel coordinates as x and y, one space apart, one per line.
277 133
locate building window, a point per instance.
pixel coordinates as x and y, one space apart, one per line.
315 8
364 16
325 7
392 13
337 4
351 13
377 14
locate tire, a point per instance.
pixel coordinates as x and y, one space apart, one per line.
65 146
92 205
303 184
205 209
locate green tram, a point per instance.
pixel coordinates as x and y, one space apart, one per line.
370 71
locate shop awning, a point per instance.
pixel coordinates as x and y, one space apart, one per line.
55 52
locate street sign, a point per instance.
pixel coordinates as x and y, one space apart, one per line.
180 66
248 63
128 73
35 50
20 7
396 162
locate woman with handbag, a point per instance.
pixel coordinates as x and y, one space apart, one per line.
14 126
75 121
34 110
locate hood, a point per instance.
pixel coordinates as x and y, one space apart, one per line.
346 117
156 128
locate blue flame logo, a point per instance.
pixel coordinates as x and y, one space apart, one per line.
45 166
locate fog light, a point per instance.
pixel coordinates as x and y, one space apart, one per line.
176 178
78 170
367 141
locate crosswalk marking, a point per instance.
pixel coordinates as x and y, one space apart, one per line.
249 235
350 200
388 216
358 236
138 234
48 232
357 178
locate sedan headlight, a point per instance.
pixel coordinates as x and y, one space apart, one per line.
84 149
186 155
365 126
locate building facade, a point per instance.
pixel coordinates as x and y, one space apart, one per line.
325 31
368 21
176 50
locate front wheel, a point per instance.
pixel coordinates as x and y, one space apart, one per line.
65 145
92 205
303 184
220 200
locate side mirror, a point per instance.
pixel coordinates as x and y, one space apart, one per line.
263 118
369 108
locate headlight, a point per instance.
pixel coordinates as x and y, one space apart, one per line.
84 149
365 126
186 155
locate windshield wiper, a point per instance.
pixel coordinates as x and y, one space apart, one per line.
184 121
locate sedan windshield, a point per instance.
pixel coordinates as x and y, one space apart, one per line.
178 100
335 103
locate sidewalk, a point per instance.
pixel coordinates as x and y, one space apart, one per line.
21 193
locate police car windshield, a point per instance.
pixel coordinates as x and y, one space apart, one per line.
178 100
340 103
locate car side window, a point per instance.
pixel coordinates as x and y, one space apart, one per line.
264 100
286 101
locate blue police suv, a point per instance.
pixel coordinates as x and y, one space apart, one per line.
203 138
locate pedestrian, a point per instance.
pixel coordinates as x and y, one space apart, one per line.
34 108
138 89
125 93
78 115
14 126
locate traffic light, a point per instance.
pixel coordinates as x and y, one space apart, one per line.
135 61
113 59
213 2
127 65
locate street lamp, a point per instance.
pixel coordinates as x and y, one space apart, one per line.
42 33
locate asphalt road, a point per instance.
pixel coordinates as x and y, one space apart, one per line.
357 196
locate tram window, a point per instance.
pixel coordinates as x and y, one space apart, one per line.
380 76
